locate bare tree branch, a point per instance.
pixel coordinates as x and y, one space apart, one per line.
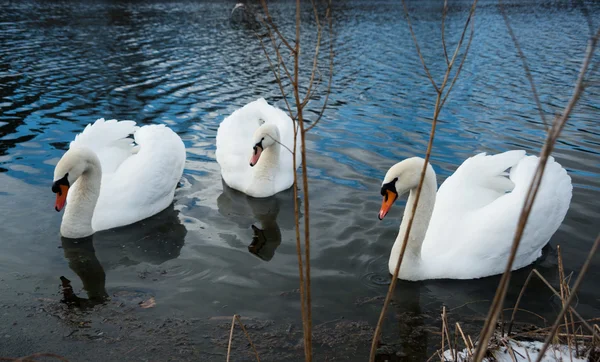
525 65
316 57
331 55
277 75
412 33
444 14
462 62
272 24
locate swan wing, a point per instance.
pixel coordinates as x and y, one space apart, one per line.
477 211
109 140
144 184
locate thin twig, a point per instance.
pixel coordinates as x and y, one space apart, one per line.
457 49
328 91
308 335
444 14
462 334
525 65
512 318
316 56
247 336
272 24
462 62
233 320
277 75
412 33
230 337
563 296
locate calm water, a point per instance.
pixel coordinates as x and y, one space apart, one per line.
63 65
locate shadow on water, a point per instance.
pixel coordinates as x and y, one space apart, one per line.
269 213
154 240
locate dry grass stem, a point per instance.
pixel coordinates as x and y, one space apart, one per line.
468 342
233 320
569 300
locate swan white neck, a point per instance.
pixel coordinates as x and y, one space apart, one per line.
411 263
268 165
77 220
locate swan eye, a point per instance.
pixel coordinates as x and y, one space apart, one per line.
63 181
390 186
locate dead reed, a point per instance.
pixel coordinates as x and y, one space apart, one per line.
581 338
233 320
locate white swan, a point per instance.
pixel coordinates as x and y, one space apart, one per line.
107 181
465 231
258 130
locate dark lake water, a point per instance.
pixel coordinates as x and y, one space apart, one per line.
65 64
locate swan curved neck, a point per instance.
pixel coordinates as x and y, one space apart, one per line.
412 257
77 220
269 161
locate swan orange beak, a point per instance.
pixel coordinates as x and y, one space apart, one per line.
61 197
256 155
386 204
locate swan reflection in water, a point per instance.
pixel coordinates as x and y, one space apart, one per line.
154 240
270 212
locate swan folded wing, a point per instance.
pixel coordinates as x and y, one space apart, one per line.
481 179
486 233
478 183
144 184
109 140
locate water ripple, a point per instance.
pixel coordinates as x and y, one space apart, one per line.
65 64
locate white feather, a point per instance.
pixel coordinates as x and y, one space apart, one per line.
138 180
475 217
234 148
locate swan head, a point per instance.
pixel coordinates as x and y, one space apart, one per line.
400 179
265 136
70 167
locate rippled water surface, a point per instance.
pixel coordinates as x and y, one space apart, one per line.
65 64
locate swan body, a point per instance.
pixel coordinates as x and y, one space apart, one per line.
108 181
254 149
466 229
